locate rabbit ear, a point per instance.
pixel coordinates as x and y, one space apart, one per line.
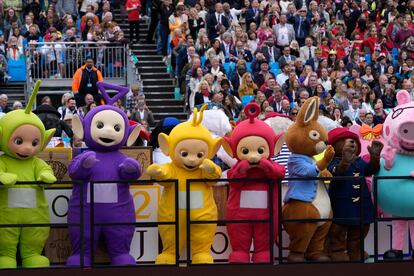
308 112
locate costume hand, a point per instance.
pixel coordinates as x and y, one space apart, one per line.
266 165
89 160
242 167
8 179
208 166
325 173
129 166
47 177
375 148
329 153
154 170
388 154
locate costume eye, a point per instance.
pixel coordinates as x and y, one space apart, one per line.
200 154
117 128
314 135
100 125
245 151
18 141
260 150
184 154
35 142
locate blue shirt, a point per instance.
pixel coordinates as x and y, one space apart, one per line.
301 166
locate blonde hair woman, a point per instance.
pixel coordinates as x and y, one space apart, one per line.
204 94
247 85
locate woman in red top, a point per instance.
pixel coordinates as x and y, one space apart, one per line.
371 40
133 7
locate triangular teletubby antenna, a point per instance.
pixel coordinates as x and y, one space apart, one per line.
32 97
122 91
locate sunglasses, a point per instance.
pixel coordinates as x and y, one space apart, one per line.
294 113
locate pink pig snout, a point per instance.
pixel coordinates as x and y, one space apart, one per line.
406 131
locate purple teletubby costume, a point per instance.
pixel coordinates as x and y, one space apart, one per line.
105 129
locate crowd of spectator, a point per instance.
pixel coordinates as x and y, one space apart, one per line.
353 54
32 25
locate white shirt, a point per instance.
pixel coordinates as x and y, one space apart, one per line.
283 36
281 78
219 17
327 84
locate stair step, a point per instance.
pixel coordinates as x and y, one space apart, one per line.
157 82
140 52
155 75
163 102
159 88
145 47
152 69
166 108
155 58
144 63
158 95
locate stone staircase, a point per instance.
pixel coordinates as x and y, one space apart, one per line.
158 85
15 92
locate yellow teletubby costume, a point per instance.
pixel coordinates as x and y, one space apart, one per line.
190 146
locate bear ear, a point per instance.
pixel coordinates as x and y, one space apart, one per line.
308 112
163 142
403 97
133 135
216 146
227 146
77 126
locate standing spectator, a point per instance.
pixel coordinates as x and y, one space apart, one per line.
269 50
83 110
155 13
69 7
178 20
166 10
253 15
84 82
133 7
217 22
143 113
3 103
308 51
286 57
301 24
283 32
14 52
403 33
9 19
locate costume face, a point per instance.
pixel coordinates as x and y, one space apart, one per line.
25 142
349 142
190 153
107 128
253 149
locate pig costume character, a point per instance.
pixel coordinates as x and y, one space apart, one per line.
105 130
396 196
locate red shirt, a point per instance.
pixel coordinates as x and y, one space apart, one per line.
370 43
133 15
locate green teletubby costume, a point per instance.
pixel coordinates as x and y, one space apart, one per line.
23 135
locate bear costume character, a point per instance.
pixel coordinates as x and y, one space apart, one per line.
23 135
345 194
190 147
105 130
253 143
395 196
307 199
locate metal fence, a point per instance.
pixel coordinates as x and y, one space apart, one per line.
270 219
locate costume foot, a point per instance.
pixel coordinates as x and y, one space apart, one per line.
261 257
393 255
36 261
357 257
202 258
294 257
124 259
317 257
75 260
7 262
165 258
339 257
239 257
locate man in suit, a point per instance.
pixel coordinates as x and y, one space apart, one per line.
353 111
301 25
271 53
277 100
380 88
143 113
308 51
286 57
283 32
217 22
237 75
240 52
227 45
253 14
380 67
315 60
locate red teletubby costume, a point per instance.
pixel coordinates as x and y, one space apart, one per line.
252 142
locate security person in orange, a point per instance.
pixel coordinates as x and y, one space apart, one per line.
84 82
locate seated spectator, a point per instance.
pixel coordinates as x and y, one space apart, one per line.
46 100
240 52
3 103
264 73
247 86
204 94
10 18
271 53
17 105
230 102
3 69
